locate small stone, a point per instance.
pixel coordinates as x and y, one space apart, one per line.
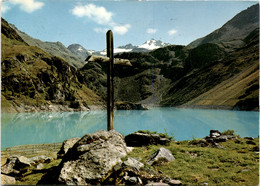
174 182
157 184
133 180
255 148
214 133
126 177
223 138
250 142
245 170
39 167
209 139
249 138
14 164
164 141
140 181
160 153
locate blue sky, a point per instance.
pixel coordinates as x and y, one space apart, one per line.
86 22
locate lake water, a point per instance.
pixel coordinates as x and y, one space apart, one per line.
183 124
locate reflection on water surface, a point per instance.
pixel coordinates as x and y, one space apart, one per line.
184 124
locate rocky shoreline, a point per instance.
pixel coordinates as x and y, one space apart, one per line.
118 106
102 158
69 108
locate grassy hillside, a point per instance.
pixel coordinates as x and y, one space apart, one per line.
33 80
232 82
53 48
215 74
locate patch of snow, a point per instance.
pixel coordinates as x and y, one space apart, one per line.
91 51
120 50
80 49
153 44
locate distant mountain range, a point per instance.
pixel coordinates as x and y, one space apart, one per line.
147 46
75 54
220 70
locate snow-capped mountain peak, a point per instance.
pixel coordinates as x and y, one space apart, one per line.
153 44
149 45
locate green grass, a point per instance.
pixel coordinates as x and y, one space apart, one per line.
228 132
237 164
32 177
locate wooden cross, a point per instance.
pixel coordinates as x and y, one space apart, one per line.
110 60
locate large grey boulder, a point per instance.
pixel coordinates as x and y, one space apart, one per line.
66 145
143 139
161 153
92 158
7 180
14 164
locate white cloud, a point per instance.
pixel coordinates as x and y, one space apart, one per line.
101 30
172 32
101 16
151 31
97 13
121 29
28 5
4 8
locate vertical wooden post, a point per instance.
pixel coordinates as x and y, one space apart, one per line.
110 81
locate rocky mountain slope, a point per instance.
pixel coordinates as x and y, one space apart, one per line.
211 75
234 30
53 48
33 80
79 51
218 73
231 83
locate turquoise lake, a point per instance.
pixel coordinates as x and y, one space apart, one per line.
183 124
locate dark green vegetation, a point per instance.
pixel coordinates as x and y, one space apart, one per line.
220 70
33 80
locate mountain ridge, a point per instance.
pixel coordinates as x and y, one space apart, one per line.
232 29
212 75
147 46
34 80
54 48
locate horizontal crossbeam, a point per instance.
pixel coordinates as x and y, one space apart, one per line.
103 59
